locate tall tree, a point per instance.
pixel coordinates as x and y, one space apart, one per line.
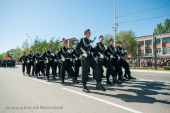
162 29
129 42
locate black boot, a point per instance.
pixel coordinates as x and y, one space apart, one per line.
108 82
48 79
85 89
32 74
74 80
39 74
23 73
125 76
44 74
29 75
120 79
130 77
54 77
115 81
100 87
36 76
63 83
88 78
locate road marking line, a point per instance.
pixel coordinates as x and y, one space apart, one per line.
104 101
41 81
167 83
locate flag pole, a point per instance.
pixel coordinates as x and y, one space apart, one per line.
115 25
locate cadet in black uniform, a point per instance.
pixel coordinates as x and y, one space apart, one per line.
100 51
55 62
64 54
37 59
49 57
123 62
30 63
23 60
88 60
76 63
112 51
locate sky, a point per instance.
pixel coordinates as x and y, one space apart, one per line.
70 18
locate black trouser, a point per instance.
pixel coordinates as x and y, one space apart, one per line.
59 69
41 63
55 67
108 66
118 69
29 67
66 65
77 65
48 65
125 65
85 66
23 66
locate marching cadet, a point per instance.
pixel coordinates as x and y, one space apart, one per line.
88 60
123 62
55 62
30 63
49 57
100 51
76 63
10 62
3 63
112 51
23 60
37 63
64 54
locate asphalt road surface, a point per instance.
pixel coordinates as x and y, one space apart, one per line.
150 93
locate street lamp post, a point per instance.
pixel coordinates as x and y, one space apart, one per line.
155 51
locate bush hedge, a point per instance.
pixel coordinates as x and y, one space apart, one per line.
166 68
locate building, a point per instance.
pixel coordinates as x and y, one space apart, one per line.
71 41
146 45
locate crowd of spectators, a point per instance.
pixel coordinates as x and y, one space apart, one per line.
148 62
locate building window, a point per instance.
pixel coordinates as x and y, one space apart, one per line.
148 51
166 50
148 42
168 39
158 41
141 43
164 40
141 52
74 42
158 50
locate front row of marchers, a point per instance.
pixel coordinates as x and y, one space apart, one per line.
85 55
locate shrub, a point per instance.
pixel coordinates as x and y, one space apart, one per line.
166 68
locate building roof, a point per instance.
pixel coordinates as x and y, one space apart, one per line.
152 35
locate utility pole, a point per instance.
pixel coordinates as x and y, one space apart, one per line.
155 51
115 25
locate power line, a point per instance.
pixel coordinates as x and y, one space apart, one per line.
144 19
130 21
143 11
140 12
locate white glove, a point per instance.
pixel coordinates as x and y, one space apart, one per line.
55 60
63 59
125 51
105 47
68 51
40 55
92 45
28 61
101 56
23 62
36 62
92 53
84 54
119 58
122 51
94 58
111 56
115 49
52 54
71 60
76 59
47 61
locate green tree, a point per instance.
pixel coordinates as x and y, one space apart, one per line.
129 42
162 29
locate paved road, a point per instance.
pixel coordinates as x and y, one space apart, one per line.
150 93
